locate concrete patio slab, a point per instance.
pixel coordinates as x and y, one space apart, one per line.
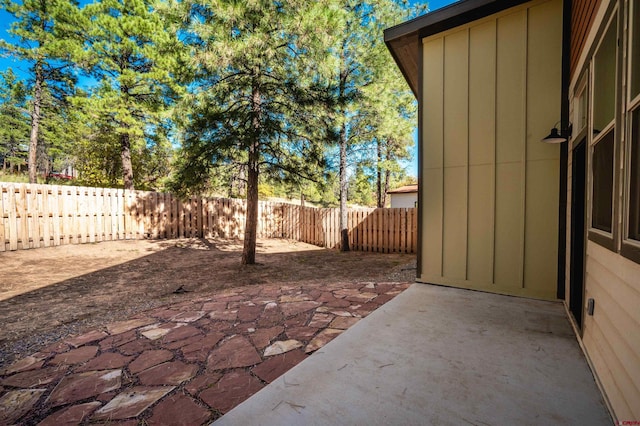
439 356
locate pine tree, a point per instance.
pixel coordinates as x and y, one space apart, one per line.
46 37
254 93
395 110
132 49
14 122
356 95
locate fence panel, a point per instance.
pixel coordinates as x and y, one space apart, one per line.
33 216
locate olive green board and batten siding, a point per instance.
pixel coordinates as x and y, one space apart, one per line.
490 188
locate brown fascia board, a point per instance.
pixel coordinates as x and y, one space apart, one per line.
454 15
407 189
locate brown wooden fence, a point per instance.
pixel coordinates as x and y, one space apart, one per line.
33 216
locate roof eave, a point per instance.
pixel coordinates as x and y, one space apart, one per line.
454 15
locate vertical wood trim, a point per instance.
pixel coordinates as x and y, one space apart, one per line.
466 260
494 163
523 178
442 188
417 238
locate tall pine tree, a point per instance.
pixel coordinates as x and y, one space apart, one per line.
256 61
46 37
132 49
353 107
14 124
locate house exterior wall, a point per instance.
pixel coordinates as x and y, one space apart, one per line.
611 336
490 199
404 200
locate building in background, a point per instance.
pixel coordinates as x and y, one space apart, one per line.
404 197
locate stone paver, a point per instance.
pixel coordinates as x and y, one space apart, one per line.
234 353
231 390
156 331
81 386
294 308
168 373
188 316
200 349
343 323
263 337
179 410
75 356
184 363
149 359
128 325
15 404
92 336
131 403
106 361
180 333
321 320
34 378
115 341
202 382
25 364
273 368
324 337
281 347
301 333
71 415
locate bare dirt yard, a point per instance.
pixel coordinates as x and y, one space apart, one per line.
47 294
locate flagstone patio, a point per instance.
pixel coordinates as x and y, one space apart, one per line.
187 363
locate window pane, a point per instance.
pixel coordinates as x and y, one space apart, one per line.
582 117
634 185
604 91
635 51
601 213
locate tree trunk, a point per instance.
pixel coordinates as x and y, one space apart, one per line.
125 155
344 229
251 225
380 198
344 185
35 124
387 176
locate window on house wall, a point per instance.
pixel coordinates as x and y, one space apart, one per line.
634 57
634 181
580 107
604 76
633 120
603 119
601 216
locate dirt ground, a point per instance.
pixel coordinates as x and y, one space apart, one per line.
47 294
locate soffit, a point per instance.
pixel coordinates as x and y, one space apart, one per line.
403 41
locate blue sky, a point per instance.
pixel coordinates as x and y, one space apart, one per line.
20 68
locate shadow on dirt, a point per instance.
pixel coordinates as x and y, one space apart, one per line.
183 269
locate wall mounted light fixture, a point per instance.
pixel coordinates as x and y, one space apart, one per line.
555 136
